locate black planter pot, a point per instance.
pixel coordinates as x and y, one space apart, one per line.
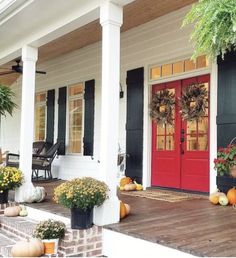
81 219
224 183
4 196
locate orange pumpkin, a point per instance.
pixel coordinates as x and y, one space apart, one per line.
126 180
231 195
124 209
127 207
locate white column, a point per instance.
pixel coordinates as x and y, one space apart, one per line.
213 126
29 58
111 17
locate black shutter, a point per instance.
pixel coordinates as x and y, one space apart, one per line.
62 119
226 102
50 116
134 124
89 117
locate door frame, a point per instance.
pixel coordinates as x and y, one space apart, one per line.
147 150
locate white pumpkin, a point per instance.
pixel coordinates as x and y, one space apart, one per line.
43 194
12 211
36 194
30 248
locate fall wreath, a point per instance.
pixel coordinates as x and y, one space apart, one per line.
194 102
162 106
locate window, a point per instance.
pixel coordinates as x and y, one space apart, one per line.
76 93
181 66
40 116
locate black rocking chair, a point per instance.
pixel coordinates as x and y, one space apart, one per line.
43 161
43 156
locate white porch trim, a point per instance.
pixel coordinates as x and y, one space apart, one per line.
213 125
29 58
111 18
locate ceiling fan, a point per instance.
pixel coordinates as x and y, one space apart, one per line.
16 69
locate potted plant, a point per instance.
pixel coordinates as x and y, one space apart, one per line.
10 179
225 164
81 195
50 231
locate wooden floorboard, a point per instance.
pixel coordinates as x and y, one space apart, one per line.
192 226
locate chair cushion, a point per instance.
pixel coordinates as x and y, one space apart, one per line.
40 162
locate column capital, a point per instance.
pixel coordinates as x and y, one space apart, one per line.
29 53
111 13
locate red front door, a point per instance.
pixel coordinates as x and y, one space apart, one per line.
180 152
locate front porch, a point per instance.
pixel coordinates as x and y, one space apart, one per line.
193 226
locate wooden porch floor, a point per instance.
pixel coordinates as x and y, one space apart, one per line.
192 226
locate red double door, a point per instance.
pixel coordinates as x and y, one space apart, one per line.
180 153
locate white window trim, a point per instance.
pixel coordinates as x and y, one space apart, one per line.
68 121
178 76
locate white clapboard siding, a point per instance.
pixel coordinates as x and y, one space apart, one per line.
158 41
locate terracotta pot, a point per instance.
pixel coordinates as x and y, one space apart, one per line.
50 246
232 171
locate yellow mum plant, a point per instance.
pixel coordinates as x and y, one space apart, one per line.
83 193
10 178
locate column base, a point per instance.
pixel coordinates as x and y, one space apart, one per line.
24 192
108 213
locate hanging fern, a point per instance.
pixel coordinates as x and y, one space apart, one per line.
214 30
6 103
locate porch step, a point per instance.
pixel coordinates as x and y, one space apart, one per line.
7 240
85 243
19 226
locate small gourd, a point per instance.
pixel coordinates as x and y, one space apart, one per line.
12 211
214 197
130 187
223 200
23 211
126 180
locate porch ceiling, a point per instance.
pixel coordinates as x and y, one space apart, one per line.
135 14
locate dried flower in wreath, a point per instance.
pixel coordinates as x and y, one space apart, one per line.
162 107
194 102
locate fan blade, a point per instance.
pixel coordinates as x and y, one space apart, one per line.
41 72
5 73
2 68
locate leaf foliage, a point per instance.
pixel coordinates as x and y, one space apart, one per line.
214 30
6 103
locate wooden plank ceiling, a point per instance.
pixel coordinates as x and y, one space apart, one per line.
135 14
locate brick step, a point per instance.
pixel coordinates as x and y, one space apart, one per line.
21 227
7 240
75 243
